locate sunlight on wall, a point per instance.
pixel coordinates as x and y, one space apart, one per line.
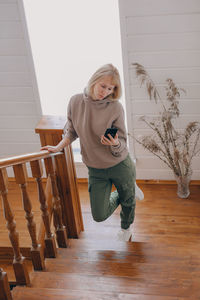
70 39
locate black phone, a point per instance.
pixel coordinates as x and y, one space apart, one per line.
112 132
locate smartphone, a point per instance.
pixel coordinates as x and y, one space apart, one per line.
112 132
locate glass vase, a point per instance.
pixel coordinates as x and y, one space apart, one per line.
183 181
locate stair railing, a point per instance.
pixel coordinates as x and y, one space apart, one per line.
37 252
61 188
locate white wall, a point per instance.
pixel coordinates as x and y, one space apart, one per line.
20 108
164 36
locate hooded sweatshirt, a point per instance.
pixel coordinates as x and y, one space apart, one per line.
88 119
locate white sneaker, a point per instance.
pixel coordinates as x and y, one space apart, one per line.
124 235
139 195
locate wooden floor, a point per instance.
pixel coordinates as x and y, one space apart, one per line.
162 263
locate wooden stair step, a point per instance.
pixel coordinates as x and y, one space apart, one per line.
118 284
146 257
21 293
149 269
138 253
7 252
176 248
139 269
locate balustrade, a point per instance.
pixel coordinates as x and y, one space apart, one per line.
59 201
21 177
19 263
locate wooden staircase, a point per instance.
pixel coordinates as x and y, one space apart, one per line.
162 263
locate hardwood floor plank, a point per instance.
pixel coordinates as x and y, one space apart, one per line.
158 271
62 294
119 284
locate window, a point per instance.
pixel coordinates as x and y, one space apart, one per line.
70 39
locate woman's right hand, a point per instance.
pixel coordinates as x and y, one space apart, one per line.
50 148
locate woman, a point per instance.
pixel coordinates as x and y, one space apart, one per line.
108 161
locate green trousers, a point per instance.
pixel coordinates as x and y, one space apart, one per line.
103 202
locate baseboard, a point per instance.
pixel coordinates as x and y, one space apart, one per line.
139 181
154 181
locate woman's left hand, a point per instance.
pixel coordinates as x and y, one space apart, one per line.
111 141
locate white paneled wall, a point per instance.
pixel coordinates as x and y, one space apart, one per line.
163 36
20 108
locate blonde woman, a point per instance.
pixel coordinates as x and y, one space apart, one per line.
107 158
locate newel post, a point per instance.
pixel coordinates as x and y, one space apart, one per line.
51 129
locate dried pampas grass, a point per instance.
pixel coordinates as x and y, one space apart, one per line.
175 148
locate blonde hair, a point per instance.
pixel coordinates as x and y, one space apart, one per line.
106 70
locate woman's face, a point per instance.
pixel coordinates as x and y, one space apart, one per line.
103 88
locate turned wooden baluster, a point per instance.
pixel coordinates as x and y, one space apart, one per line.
5 293
37 254
37 172
19 263
61 233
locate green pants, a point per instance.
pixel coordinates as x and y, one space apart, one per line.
103 202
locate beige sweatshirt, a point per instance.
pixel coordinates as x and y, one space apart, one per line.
88 119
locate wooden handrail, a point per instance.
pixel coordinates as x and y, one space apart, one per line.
24 158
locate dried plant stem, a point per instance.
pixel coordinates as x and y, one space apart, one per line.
195 145
168 155
151 151
150 85
197 152
177 169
